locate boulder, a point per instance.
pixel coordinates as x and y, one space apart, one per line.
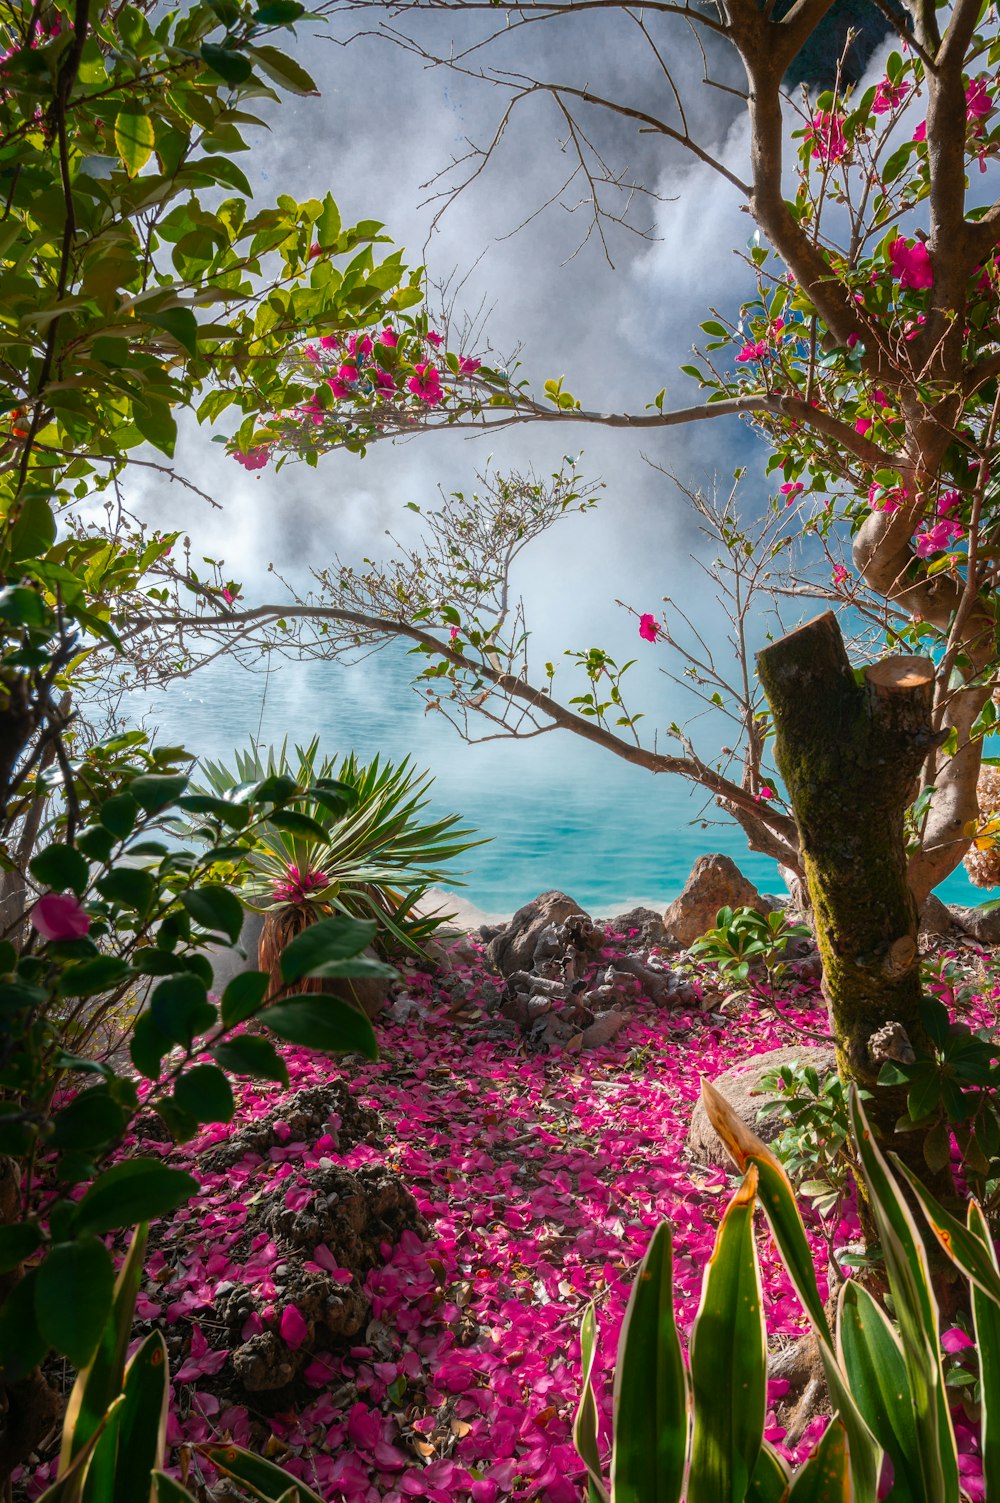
715 882
737 1085
935 917
513 949
982 925
640 928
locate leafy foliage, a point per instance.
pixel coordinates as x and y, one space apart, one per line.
745 939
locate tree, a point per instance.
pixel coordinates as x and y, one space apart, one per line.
867 358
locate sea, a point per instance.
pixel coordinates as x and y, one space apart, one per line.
553 811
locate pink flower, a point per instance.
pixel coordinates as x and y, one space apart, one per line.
933 539
384 380
880 499
763 794
253 459
359 345
389 337
920 134
649 628
888 96
948 502
311 353
854 339
297 885
468 365
790 490
293 1328
426 384
348 373
826 137
453 633
337 387
315 250
329 341
751 351
956 1340
434 338
839 574
60 915
978 102
911 264
229 596
862 426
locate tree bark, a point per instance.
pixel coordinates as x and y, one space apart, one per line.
850 749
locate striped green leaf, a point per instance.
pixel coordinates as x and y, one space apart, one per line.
960 1243
916 1311
770 1477
777 1199
585 1423
100 1382
728 1360
169 1490
261 1478
826 1475
651 1389
872 1357
986 1315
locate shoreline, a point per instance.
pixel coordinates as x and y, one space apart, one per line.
467 916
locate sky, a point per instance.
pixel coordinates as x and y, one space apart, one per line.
384 127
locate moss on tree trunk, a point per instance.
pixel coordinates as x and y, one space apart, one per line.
849 748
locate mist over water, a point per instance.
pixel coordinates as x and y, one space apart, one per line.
560 812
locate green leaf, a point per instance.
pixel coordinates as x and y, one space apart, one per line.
73 1294
585 1420
283 70
243 996
99 1384
279 13
118 815
167 1490
298 824
143 1420
23 607
328 940
34 532
320 1022
155 791
135 138
986 1316
328 223
22 1345
180 324
728 1360
93 1119
247 1054
205 1093
181 1009
826 1476
651 1388
263 1477
148 1045
128 887
88 978
134 1190
59 867
215 908
872 1356
17 1242
231 66
769 1481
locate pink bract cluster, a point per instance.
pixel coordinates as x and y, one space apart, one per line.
296 885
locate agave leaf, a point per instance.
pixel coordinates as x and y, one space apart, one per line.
169 1490
917 1312
986 1316
651 1387
872 1356
68 1486
100 1383
770 1478
585 1423
777 1199
826 1475
262 1478
728 1360
960 1243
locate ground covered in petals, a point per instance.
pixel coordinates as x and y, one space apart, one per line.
540 1177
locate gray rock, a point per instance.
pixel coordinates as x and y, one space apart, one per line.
603 1029
980 926
645 921
715 882
936 917
513 949
228 961
737 1083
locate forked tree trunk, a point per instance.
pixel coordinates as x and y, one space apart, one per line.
850 749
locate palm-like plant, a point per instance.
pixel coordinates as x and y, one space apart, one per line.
362 846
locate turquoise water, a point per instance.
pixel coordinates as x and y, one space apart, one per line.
559 812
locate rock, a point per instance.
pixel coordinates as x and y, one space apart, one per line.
936 917
513 949
715 882
603 1029
979 925
303 1117
641 927
370 993
736 1085
227 961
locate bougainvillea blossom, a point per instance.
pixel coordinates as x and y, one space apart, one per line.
60 916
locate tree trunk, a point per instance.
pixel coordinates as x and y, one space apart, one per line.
850 749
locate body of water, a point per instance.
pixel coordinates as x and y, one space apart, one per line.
559 812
